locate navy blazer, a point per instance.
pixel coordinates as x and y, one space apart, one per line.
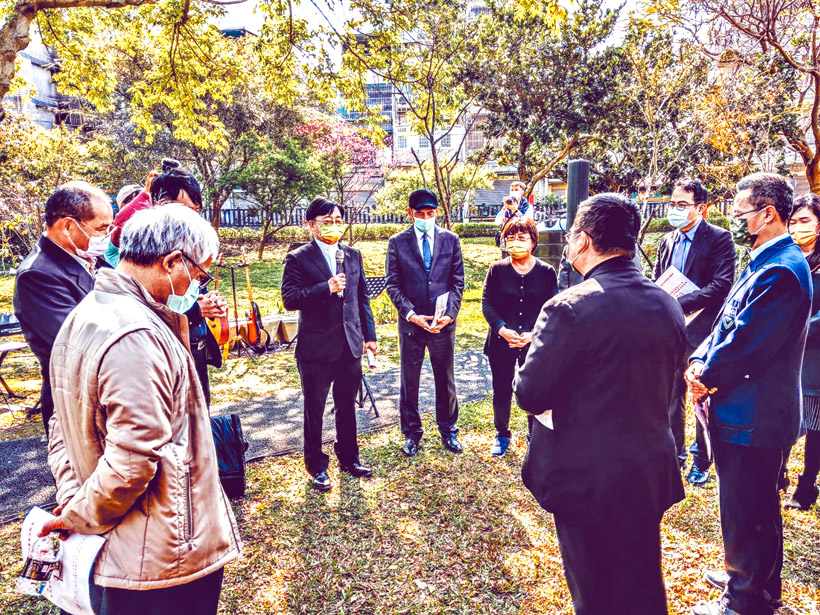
409 286
603 358
811 359
710 264
754 354
327 323
50 283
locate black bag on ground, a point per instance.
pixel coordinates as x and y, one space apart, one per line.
230 446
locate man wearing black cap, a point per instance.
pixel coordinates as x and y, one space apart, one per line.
325 282
424 263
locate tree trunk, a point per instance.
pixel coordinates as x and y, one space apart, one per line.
263 239
13 38
813 174
216 210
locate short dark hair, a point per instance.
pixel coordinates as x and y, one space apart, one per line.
69 202
811 202
520 224
612 222
769 189
693 185
167 186
321 206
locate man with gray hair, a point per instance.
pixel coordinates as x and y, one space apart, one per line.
59 272
130 446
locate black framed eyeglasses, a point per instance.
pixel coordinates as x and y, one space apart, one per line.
679 205
208 277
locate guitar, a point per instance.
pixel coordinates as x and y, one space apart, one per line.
219 326
257 336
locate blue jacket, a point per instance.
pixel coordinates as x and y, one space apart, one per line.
754 355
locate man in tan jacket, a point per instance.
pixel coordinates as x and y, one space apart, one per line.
131 447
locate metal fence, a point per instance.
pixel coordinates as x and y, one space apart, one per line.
255 219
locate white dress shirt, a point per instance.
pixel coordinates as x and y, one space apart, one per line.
329 252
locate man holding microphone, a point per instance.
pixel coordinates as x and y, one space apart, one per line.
325 282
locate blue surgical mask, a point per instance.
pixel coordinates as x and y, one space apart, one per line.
424 225
678 219
182 303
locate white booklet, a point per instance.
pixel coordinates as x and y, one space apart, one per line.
441 307
68 589
676 284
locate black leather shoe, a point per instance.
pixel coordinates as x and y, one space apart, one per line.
321 482
803 497
697 476
715 607
451 444
357 470
719 578
410 448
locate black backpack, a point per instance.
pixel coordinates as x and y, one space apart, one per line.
230 446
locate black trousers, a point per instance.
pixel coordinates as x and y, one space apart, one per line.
677 421
200 597
613 566
442 350
502 360
46 399
751 524
345 374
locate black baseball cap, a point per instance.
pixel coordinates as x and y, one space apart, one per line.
423 198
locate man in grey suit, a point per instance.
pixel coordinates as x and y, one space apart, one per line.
603 359
423 263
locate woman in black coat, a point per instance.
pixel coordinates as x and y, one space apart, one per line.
803 226
514 291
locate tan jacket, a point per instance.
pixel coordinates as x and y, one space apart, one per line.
131 447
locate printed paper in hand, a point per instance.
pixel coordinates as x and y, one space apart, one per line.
545 418
702 415
678 285
441 307
675 283
70 590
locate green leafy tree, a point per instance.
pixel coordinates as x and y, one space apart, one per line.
464 180
277 177
554 87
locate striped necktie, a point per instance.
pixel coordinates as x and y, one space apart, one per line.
426 253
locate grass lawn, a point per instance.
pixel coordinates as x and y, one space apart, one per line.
437 534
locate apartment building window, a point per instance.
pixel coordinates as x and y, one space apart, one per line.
401 142
445 140
424 143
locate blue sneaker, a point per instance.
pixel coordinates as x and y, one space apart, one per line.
500 447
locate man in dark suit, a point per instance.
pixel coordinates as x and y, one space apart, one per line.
749 367
335 328
706 255
423 263
602 458
59 272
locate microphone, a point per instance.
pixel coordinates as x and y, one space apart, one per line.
340 268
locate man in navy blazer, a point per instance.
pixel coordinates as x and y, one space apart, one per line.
423 263
324 280
706 255
749 367
59 272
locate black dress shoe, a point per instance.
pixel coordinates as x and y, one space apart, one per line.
410 448
697 476
357 470
451 444
321 482
803 497
719 578
715 607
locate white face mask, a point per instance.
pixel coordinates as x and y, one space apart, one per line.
516 194
97 246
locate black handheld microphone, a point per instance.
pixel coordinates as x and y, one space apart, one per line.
340 268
